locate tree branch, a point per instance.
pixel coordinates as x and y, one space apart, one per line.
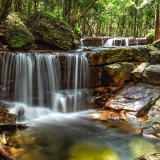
82 15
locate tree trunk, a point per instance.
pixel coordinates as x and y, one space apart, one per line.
83 13
157 23
18 6
5 6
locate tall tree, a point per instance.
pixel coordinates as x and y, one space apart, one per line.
157 22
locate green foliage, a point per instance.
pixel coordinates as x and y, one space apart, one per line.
111 17
156 43
150 36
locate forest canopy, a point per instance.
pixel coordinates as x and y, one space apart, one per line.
123 18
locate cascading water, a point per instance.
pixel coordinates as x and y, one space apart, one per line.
112 42
56 82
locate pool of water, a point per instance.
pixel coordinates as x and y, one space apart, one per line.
73 136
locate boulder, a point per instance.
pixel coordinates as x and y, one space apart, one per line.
155 109
117 73
48 29
151 127
106 56
93 41
17 34
155 57
96 80
151 74
142 54
7 120
137 72
152 156
141 41
134 99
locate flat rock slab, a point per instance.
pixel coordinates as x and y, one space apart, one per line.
136 99
7 120
153 156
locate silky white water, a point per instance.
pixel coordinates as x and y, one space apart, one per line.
57 82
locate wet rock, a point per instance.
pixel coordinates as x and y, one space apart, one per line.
135 99
20 111
152 156
155 109
151 126
22 126
137 72
151 74
142 54
8 122
117 73
111 56
48 29
141 41
96 80
4 155
101 95
16 33
94 41
155 57
75 44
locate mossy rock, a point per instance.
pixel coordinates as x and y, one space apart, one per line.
17 34
156 43
49 29
150 36
111 56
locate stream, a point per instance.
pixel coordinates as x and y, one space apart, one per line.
75 136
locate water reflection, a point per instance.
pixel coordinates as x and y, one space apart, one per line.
73 137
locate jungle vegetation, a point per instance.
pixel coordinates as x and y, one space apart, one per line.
123 18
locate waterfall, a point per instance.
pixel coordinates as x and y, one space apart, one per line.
112 42
55 81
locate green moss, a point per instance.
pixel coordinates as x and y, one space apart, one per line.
150 36
75 32
90 150
18 38
156 43
16 33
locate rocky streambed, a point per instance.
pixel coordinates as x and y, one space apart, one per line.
125 86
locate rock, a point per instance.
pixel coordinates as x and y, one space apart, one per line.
135 99
152 156
117 73
151 126
155 109
75 44
137 72
8 122
142 54
96 80
111 56
48 29
22 126
16 33
94 41
151 74
141 41
4 155
155 57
